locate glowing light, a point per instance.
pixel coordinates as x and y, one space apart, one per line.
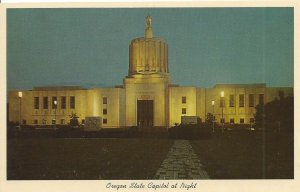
222 93
20 94
213 102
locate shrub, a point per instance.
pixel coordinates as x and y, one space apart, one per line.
191 131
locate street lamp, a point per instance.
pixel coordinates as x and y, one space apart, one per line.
213 106
20 94
55 104
222 100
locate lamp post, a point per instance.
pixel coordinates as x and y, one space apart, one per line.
55 104
20 94
213 106
222 100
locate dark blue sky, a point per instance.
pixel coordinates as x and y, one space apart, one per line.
89 47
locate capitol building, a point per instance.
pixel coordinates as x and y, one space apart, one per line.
147 97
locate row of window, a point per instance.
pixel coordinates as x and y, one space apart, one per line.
104 120
62 121
54 102
183 112
242 100
44 121
232 100
104 111
231 120
61 103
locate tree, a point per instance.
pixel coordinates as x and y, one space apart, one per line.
259 116
74 120
276 115
209 118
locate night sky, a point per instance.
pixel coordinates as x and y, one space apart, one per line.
207 46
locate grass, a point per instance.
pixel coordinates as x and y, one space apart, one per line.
233 155
247 155
47 159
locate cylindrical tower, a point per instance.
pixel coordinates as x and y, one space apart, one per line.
148 54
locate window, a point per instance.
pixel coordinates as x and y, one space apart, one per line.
104 111
251 100
54 106
62 121
45 102
232 121
261 99
183 110
231 100
241 100
251 120
183 100
36 102
242 120
63 102
53 121
104 121
72 102
35 122
104 100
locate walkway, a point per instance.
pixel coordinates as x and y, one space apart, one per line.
181 163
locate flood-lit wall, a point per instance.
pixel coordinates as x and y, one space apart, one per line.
146 87
182 103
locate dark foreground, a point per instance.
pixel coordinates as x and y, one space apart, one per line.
247 155
90 158
232 155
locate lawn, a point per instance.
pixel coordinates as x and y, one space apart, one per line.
247 155
35 159
232 155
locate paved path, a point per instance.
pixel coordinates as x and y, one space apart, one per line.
181 163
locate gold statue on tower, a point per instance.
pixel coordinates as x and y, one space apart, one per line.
148 31
148 21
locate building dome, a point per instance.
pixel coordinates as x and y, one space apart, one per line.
148 54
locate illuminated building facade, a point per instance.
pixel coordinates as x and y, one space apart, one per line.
146 99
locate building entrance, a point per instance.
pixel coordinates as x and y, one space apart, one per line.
145 113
